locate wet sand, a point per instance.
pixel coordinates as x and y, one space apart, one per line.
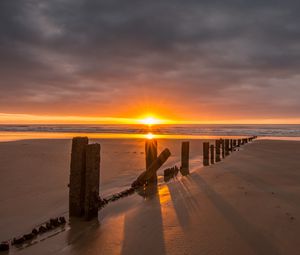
34 175
245 204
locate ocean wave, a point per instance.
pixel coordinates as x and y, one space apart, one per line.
213 130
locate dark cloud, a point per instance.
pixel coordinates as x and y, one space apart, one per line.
236 58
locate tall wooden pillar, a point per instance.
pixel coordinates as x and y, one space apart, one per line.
77 177
205 153
151 155
185 151
92 181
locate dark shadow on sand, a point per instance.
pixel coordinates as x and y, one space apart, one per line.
143 226
183 201
248 232
82 234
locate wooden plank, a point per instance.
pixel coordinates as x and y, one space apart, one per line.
77 177
92 181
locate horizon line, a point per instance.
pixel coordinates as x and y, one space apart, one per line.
32 119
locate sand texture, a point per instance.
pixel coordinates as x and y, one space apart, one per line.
248 203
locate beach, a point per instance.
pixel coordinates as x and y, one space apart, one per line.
149 127
246 204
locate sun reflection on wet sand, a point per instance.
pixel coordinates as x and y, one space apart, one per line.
172 231
164 195
114 241
149 136
14 136
143 227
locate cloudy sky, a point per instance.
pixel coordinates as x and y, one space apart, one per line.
184 60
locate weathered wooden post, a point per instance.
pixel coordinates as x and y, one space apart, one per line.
231 145
151 155
218 152
147 175
92 181
185 151
212 154
205 153
226 147
77 176
223 147
239 143
234 143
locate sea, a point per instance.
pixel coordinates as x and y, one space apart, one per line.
196 131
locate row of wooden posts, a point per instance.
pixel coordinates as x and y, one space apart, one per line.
85 169
222 148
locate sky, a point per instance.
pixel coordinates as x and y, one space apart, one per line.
184 61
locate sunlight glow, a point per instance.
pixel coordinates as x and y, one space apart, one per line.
170 217
149 136
146 119
150 121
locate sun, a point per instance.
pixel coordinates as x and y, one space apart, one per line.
149 121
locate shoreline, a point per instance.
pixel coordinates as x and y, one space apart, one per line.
8 136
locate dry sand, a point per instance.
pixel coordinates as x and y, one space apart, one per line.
246 204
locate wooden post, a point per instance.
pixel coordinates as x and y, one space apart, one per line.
151 155
226 147
234 143
185 150
218 151
231 145
92 180
77 177
212 154
223 147
205 153
239 143
151 170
